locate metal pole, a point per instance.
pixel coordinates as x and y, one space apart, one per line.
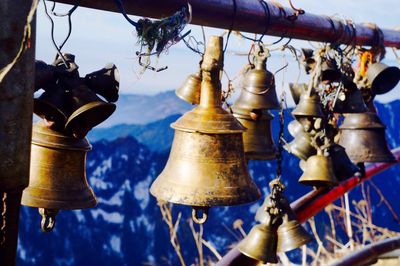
16 100
250 16
312 203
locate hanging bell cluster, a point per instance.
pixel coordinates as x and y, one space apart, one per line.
206 166
277 229
69 108
256 98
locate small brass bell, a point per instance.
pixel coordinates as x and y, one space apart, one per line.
342 165
190 89
309 106
206 166
86 111
353 103
291 235
301 146
257 139
319 172
363 137
382 78
51 105
295 128
330 71
297 89
104 82
57 174
258 90
260 244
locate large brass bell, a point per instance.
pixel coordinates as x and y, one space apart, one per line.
190 90
206 166
86 110
296 90
104 82
301 146
260 244
342 165
363 137
291 234
309 106
57 174
258 142
258 90
353 103
319 172
382 77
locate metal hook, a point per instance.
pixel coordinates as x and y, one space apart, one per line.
196 211
48 219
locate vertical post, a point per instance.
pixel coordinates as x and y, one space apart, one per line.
16 101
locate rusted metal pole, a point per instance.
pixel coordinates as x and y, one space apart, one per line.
16 100
370 253
310 204
251 16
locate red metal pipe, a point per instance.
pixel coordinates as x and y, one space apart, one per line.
312 203
250 16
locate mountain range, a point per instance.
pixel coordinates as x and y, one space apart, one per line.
127 228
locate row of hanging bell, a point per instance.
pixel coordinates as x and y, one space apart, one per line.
256 98
206 166
274 234
70 104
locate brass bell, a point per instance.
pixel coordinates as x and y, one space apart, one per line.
291 234
104 82
44 75
301 146
295 128
86 111
308 59
342 165
382 78
296 90
206 166
190 89
57 174
309 106
260 244
51 106
353 103
363 137
257 139
319 172
258 90
330 71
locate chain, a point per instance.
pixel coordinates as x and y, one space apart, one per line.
281 140
4 220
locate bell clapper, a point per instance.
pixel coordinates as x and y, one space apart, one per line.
196 211
48 219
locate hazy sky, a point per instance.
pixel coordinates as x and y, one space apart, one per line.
100 37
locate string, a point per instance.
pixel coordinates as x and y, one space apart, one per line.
232 24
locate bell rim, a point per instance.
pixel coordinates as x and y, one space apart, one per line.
57 112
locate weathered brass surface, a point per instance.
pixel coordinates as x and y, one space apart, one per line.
260 244
353 103
51 105
258 90
342 165
104 82
86 110
308 106
297 89
190 90
382 78
301 146
58 172
257 139
363 137
295 128
206 166
319 172
291 235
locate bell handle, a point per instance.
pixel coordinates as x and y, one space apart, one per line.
196 214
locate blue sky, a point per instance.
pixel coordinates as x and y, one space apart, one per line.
100 37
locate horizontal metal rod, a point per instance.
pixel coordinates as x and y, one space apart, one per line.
310 204
251 16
